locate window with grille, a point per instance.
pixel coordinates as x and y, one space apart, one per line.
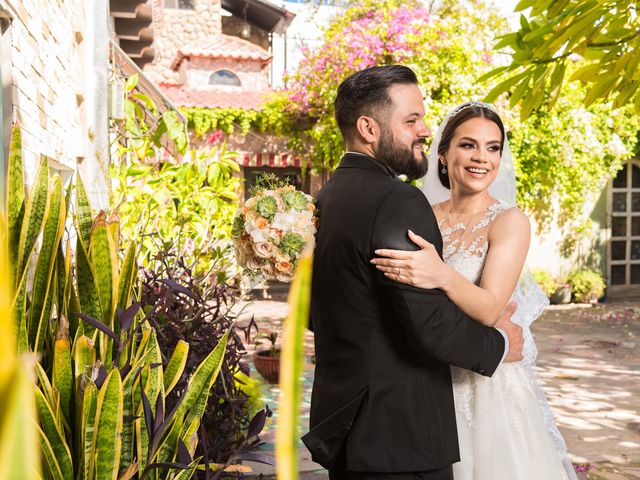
224 77
624 252
180 4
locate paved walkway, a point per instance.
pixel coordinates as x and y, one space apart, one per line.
589 364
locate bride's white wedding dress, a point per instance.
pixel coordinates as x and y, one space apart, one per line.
505 427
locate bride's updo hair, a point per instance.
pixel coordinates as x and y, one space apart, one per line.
462 114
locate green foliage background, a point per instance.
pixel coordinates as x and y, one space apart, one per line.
563 155
188 203
603 37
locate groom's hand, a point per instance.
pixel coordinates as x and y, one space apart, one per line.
513 332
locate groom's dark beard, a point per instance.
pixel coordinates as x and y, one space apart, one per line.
400 158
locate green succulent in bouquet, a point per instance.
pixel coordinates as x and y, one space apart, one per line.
267 207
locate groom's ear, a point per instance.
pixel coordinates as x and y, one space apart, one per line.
368 129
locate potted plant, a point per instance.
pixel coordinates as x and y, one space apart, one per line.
562 293
267 361
545 280
587 285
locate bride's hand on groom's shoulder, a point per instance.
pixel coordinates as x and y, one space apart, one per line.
422 268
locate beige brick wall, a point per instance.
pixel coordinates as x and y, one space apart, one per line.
47 78
175 28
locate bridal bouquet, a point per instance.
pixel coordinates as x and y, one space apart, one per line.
271 230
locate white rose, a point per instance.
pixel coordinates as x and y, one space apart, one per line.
264 249
268 271
253 263
283 221
284 277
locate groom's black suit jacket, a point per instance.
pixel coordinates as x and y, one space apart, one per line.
382 387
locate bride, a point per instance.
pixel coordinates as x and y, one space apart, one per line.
505 427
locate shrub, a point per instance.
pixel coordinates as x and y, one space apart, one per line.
587 286
545 280
190 204
188 307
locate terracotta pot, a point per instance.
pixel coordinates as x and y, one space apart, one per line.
267 365
562 295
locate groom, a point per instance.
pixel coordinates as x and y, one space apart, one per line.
382 403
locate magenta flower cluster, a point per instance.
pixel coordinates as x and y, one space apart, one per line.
376 37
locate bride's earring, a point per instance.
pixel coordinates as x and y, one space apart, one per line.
443 170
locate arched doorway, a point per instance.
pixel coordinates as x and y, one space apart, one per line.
623 252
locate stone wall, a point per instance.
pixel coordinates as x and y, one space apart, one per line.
234 25
175 28
46 75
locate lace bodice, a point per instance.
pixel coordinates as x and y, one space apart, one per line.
465 247
465 238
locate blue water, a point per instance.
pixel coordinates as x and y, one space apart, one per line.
270 395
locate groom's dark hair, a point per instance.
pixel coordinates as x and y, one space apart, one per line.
367 93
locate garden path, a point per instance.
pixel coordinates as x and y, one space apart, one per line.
589 364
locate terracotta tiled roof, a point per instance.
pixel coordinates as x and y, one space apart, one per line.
182 96
222 46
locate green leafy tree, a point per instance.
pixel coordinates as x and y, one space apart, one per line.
434 44
190 204
187 202
601 37
564 155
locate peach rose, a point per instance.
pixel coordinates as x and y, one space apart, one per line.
283 266
262 223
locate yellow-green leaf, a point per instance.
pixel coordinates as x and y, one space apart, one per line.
291 365
586 73
55 437
503 86
18 424
87 291
128 273
104 260
175 366
86 429
107 442
62 373
43 279
15 199
83 213
34 215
